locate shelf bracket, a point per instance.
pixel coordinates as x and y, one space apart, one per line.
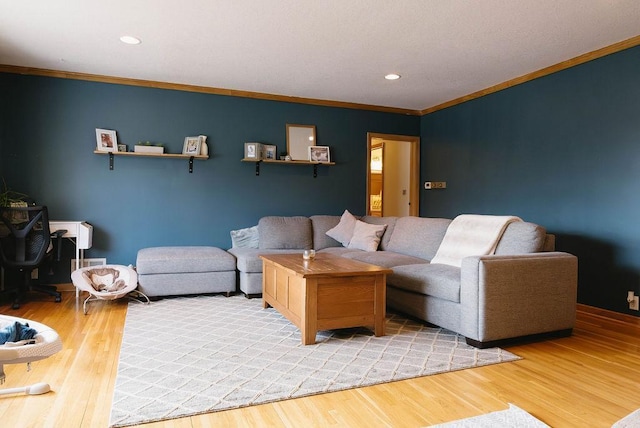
191 165
315 170
110 161
257 168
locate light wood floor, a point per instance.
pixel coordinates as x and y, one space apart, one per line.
591 379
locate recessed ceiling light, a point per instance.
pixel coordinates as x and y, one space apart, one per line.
130 40
392 76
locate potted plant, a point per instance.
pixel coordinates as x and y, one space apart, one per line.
8 196
148 147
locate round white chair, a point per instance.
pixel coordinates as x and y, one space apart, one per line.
107 282
45 343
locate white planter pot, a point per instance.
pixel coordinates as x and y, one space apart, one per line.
148 149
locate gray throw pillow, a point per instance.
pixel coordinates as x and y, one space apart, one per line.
245 238
344 230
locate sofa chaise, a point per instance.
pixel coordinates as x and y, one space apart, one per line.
522 289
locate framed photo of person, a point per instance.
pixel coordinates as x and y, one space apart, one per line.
270 152
319 154
253 151
106 140
191 146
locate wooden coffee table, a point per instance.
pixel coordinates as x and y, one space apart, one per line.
327 292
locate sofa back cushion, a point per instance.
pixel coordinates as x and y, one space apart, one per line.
418 236
285 233
391 224
521 238
320 225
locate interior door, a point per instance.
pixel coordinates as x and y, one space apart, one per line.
376 181
400 172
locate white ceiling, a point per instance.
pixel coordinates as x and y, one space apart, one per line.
336 50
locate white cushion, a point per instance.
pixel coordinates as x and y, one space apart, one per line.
344 230
245 238
366 236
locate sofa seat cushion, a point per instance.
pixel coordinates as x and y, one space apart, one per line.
340 251
248 259
386 259
159 260
285 233
418 236
437 280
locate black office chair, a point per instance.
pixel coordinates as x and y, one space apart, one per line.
25 244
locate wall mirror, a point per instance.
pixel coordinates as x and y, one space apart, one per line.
299 138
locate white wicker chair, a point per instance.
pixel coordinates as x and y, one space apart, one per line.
46 343
107 282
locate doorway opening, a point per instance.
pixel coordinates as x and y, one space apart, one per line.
393 181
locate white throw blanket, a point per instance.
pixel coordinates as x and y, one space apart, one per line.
471 235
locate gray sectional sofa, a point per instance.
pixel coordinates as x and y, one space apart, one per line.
524 289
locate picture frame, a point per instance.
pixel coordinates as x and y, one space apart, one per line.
253 151
270 152
191 146
319 154
122 147
299 138
106 140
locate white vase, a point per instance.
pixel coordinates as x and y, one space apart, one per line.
204 149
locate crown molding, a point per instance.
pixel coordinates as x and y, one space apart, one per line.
201 89
580 59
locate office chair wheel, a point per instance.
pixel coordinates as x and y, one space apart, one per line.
15 306
58 299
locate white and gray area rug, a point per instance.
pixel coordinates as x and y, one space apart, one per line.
630 421
192 355
513 417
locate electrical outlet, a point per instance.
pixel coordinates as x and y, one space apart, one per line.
428 185
632 299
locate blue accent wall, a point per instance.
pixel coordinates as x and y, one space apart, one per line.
562 151
47 138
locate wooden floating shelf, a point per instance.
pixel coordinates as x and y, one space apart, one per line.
289 162
153 155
